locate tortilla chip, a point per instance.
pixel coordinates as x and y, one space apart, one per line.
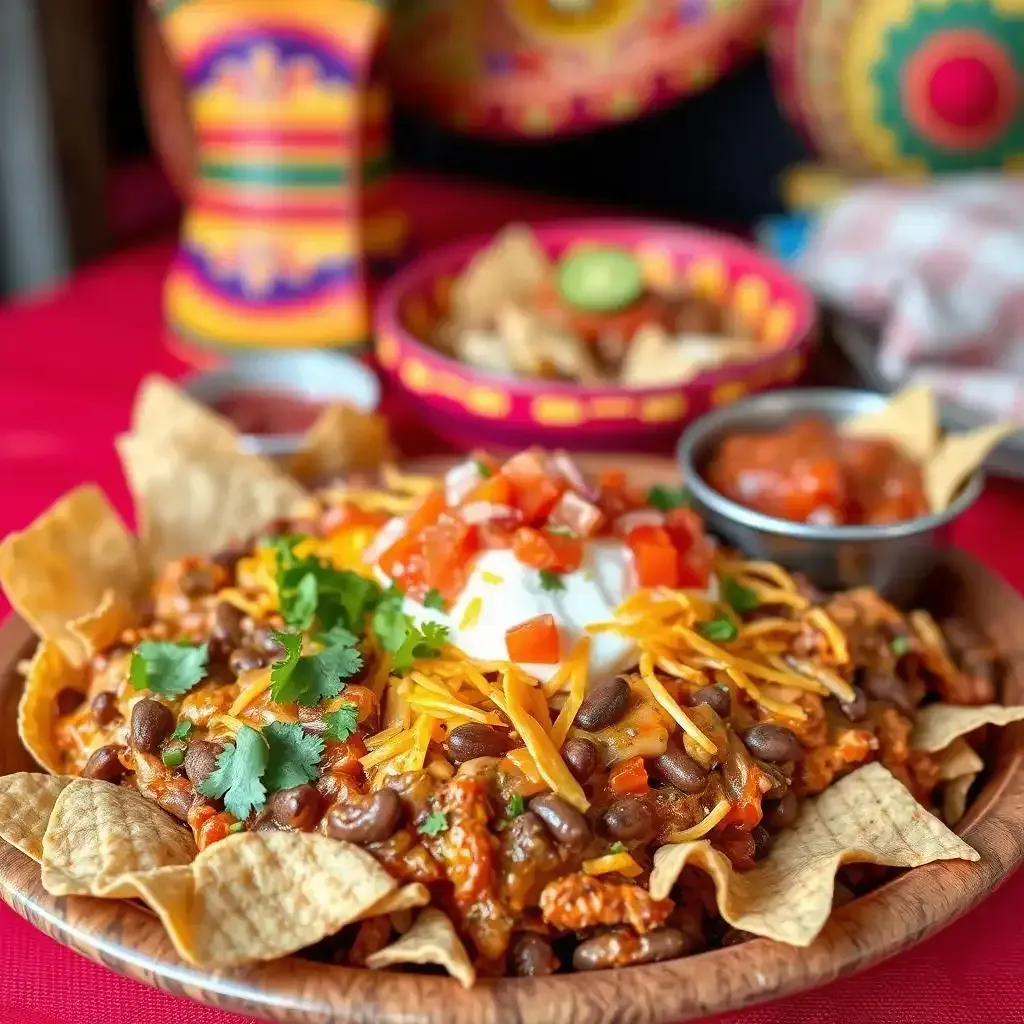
910 419
191 506
409 897
342 440
937 725
957 458
26 803
649 351
959 765
61 567
99 629
866 817
263 895
510 269
169 418
48 673
431 940
100 835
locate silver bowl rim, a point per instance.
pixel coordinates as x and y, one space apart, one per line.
803 399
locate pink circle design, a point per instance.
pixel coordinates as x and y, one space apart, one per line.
961 90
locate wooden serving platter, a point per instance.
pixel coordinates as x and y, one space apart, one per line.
127 938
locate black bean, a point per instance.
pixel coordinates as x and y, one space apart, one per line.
475 740
581 757
603 706
780 784
716 696
531 956
856 709
68 700
780 814
104 765
887 687
227 624
152 723
773 743
244 659
366 819
200 760
629 817
678 769
297 808
563 821
104 707
762 841
619 948
197 581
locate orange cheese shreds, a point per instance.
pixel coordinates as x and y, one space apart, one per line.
256 683
741 571
553 770
579 664
525 764
622 863
818 618
672 706
702 828
399 744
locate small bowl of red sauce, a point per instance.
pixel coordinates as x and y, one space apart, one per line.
776 476
274 398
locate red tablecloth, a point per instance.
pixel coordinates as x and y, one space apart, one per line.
69 364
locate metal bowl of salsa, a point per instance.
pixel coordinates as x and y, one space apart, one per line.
885 540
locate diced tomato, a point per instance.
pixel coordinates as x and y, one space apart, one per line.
496 536
684 527
696 564
532 462
427 512
542 549
612 479
534 496
342 517
486 461
657 565
629 776
614 499
404 563
534 641
494 489
649 534
448 547
579 515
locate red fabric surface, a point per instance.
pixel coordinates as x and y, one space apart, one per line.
69 364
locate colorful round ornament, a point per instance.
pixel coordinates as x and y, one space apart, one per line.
547 67
904 86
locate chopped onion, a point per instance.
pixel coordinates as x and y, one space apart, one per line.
573 475
460 480
577 514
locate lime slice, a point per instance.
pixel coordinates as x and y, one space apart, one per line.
600 280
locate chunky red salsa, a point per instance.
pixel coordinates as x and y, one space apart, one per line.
810 473
268 412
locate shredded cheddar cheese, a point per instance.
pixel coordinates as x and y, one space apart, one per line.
623 863
837 641
492 577
666 701
472 614
579 662
702 828
259 682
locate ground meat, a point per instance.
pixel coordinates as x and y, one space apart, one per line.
917 770
821 767
528 857
466 848
578 901
406 858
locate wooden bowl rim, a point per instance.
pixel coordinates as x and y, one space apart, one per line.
130 940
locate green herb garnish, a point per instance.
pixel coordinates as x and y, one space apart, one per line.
402 638
168 668
515 806
434 824
182 730
434 600
309 680
740 598
235 827
550 580
240 768
668 498
342 723
173 757
293 756
719 630
482 468
900 645
617 848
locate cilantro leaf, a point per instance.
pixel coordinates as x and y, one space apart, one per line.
293 756
341 723
182 730
434 600
337 635
719 629
515 806
400 636
899 645
237 775
617 848
482 468
168 668
309 680
668 498
434 824
741 599
550 580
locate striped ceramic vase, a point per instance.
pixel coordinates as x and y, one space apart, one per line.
291 201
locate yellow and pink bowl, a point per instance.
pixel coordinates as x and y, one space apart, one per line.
471 408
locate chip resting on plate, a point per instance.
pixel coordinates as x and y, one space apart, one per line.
431 940
867 817
169 418
49 672
26 803
910 418
937 725
342 440
959 765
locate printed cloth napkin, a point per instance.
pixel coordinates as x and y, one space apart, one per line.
940 268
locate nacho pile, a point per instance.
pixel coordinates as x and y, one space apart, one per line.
509 722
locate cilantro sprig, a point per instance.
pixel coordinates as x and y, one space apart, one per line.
168 668
342 723
550 581
899 645
282 756
434 599
434 824
316 677
402 638
668 498
740 598
719 629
